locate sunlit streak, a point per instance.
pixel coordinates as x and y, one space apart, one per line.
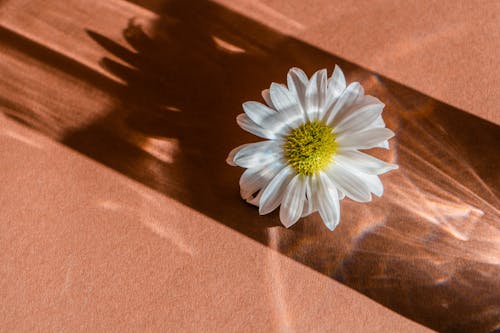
143 211
278 284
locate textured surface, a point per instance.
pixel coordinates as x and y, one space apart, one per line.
150 91
448 50
84 249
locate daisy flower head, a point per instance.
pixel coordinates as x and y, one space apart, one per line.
314 128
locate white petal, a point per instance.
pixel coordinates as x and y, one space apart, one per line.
309 206
282 98
293 201
274 191
267 98
308 210
361 102
297 83
230 156
336 85
233 152
337 82
380 123
327 200
254 179
352 93
289 114
349 183
250 126
341 194
384 144
257 154
360 119
255 200
258 112
274 127
315 94
372 182
362 162
365 139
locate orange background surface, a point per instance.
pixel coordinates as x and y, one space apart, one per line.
118 213
445 49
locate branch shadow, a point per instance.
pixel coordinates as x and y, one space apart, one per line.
429 249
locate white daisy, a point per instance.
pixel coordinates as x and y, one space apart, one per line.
311 159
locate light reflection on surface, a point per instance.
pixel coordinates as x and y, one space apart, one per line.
277 284
139 211
21 138
428 249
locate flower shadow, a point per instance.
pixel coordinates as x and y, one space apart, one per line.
414 250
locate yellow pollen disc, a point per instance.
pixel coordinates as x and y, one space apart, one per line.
310 148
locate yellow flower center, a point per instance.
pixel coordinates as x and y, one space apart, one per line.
310 148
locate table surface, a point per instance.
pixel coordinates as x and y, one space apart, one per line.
119 214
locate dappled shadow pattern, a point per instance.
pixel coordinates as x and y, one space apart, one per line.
428 249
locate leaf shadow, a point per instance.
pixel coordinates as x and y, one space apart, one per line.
414 250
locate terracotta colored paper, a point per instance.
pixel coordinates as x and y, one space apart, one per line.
86 249
445 49
151 90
